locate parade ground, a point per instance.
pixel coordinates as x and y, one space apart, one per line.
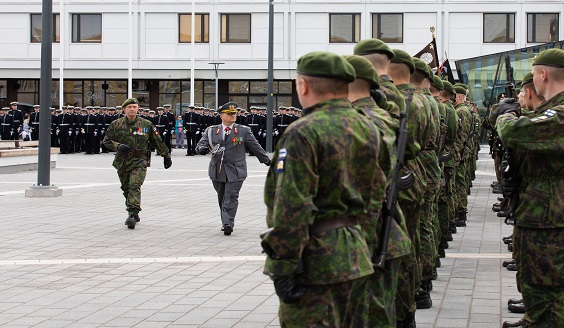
70 261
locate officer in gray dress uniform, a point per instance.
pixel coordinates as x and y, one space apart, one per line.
228 165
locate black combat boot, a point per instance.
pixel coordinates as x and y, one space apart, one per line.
520 324
423 298
130 221
441 251
461 219
449 236
136 217
517 308
452 228
438 261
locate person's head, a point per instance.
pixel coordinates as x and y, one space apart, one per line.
420 74
531 99
179 118
191 108
448 92
377 52
14 105
160 110
548 73
460 95
366 77
322 76
167 107
401 67
436 86
228 113
130 108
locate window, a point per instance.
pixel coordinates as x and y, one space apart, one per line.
202 25
388 27
87 28
236 28
542 28
36 27
499 28
344 28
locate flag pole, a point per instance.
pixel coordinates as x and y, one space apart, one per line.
432 29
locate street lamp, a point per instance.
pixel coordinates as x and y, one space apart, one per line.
216 67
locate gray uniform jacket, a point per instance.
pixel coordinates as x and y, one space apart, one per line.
233 167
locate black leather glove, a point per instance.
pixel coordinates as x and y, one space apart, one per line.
167 162
202 150
287 289
123 148
267 163
509 105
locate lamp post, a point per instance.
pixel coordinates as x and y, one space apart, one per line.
216 68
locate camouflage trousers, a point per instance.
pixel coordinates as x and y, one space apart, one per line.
427 232
446 209
409 279
382 289
461 186
545 305
131 182
342 304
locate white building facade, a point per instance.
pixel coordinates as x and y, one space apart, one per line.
93 39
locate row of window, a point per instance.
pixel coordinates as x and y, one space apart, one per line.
343 28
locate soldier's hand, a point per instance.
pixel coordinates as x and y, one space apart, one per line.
287 289
123 148
509 105
267 163
167 162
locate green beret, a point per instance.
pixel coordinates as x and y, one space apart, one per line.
461 85
459 90
550 57
448 87
325 64
230 107
402 57
422 67
373 46
129 101
437 83
528 78
364 70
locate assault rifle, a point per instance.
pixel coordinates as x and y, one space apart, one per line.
398 183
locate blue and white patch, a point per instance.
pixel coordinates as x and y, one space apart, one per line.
281 159
547 114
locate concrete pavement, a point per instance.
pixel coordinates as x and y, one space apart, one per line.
71 262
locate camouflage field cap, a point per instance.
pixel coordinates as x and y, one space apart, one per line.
129 101
528 78
437 83
325 64
550 57
373 46
230 107
459 90
364 70
448 87
402 57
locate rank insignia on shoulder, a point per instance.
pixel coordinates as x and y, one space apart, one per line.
155 131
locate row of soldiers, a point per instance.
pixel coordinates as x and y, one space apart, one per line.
441 149
197 119
11 122
527 138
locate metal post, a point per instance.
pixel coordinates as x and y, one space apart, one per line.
270 96
216 68
192 45
43 188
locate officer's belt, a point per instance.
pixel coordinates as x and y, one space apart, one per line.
321 226
136 153
16 121
282 124
6 124
191 123
253 124
64 124
89 124
160 126
34 122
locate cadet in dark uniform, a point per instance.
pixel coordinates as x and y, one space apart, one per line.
161 122
171 119
34 123
6 121
18 120
191 122
89 123
228 165
65 130
131 136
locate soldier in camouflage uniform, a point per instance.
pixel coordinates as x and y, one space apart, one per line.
539 218
411 200
131 136
384 282
318 193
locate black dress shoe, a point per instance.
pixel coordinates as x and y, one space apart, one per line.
130 222
521 323
514 301
510 247
507 262
512 267
445 244
497 190
517 308
493 184
500 199
503 213
508 241
507 237
227 229
496 207
441 252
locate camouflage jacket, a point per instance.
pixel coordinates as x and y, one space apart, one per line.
325 167
452 132
429 153
464 124
399 243
137 134
541 141
392 95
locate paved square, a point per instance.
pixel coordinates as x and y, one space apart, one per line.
71 261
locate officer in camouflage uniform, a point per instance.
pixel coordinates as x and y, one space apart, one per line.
131 136
463 153
539 214
318 192
384 282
